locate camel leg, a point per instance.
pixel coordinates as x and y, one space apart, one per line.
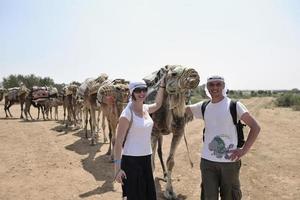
169 193
22 105
9 110
50 111
110 139
160 156
103 128
43 112
98 121
27 110
113 139
86 122
93 141
154 139
56 113
64 107
30 114
68 117
6 108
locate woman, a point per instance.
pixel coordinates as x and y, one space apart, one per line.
133 166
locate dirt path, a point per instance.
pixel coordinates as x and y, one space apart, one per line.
39 162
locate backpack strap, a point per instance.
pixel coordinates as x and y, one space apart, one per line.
238 124
130 123
232 108
203 107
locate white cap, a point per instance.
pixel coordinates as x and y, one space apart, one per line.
136 84
215 78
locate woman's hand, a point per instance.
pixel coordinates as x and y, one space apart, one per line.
119 176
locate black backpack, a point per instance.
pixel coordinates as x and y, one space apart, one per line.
239 125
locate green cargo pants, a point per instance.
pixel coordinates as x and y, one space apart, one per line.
220 177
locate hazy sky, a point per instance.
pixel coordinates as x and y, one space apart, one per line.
254 44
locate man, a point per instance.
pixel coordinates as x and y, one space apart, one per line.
220 159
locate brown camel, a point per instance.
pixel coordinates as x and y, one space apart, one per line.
54 103
171 118
69 103
88 91
39 97
113 96
15 95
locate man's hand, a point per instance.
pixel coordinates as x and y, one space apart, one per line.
236 154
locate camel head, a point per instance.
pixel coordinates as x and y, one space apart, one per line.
111 92
122 90
2 91
179 79
23 90
71 90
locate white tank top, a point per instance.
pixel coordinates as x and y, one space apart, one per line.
138 140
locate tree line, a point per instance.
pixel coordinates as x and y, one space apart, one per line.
285 98
31 80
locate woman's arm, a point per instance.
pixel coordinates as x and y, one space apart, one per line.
121 133
159 96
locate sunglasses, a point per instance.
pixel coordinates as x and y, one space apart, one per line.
214 84
141 89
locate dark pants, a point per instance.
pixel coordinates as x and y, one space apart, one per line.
139 184
220 177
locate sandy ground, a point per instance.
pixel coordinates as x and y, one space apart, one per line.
39 161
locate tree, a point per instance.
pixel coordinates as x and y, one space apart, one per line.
29 81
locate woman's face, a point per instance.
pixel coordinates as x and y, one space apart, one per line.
140 93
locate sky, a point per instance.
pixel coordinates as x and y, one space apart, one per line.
253 44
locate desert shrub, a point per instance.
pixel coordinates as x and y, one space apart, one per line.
289 100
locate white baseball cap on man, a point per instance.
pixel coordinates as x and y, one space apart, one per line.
216 78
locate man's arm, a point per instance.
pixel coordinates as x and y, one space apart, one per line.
253 133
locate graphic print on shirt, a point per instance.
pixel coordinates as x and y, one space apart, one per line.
218 146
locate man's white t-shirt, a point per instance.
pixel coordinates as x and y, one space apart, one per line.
138 140
220 133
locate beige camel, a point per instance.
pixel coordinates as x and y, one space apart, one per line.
15 95
113 96
89 90
69 103
170 118
54 103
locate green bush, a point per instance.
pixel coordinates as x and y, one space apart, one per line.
289 100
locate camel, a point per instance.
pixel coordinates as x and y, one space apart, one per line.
15 95
54 103
171 118
113 96
69 103
89 91
39 97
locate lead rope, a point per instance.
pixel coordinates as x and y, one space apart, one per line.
187 148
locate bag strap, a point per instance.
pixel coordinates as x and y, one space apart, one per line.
130 123
203 107
232 108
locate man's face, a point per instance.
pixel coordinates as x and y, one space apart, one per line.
215 88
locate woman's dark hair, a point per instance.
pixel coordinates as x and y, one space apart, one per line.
133 97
